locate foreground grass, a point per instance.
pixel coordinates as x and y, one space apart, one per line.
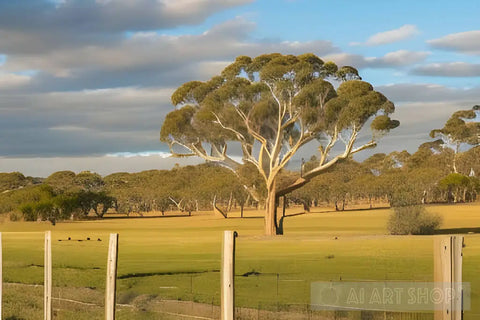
179 258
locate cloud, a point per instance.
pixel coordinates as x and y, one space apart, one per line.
390 36
34 29
465 42
91 16
83 122
401 58
147 55
11 80
434 93
160 154
393 59
450 69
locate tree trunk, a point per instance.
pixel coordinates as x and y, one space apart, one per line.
306 206
229 205
455 158
216 209
270 210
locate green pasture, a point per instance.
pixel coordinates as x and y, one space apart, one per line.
178 258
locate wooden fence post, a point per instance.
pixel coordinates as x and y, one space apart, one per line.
48 276
110 288
228 274
457 263
448 260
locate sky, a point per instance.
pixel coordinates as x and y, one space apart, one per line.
86 84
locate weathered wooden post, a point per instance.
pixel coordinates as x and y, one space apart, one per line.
48 277
228 274
448 260
110 288
457 257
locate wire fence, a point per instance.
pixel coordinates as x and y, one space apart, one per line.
272 278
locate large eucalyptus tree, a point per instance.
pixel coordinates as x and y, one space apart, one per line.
271 106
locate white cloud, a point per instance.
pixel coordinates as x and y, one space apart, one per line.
196 7
67 128
426 93
450 69
343 59
161 52
392 59
160 154
466 42
118 98
12 80
390 36
403 57
83 122
106 16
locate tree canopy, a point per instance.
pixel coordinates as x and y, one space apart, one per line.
463 127
271 106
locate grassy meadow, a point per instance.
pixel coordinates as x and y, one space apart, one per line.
177 258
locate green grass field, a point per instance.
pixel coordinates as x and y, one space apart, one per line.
178 258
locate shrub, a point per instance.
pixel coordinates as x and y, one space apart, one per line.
45 209
413 220
29 212
15 216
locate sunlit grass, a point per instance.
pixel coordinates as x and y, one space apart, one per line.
179 257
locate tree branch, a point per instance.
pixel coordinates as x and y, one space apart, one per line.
237 133
180 155
300 182
348 151
324 152
290 121
255 134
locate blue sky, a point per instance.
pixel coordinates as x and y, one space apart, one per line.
85 84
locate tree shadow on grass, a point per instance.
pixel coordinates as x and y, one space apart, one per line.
142 217
347 210
458 231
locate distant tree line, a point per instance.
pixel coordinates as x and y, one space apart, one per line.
186 189
399 179
66 195
433 174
